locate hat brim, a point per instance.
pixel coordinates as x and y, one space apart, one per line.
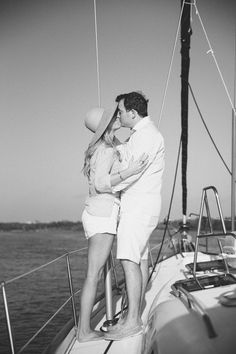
107 116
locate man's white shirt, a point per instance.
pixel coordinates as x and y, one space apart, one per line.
142 192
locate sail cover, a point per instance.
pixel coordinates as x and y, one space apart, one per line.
186 32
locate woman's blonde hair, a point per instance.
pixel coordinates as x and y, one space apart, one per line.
107 138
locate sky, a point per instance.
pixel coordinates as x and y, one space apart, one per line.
49 81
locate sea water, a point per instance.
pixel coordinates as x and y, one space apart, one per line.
33 300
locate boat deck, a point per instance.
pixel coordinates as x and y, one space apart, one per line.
164 311
203 321
159 291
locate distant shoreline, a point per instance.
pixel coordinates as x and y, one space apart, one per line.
34 226
74 226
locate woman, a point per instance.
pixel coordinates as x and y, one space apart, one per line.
103 167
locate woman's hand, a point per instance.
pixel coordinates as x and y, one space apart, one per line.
138 165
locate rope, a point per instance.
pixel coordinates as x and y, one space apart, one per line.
195 101
170 67
234 66
97 57
168 216
214 58
209 51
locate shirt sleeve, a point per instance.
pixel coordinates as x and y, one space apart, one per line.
135 147
126 155
104 161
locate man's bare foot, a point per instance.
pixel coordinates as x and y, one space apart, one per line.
124 332
89 337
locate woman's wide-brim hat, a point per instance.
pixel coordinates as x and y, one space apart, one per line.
97 120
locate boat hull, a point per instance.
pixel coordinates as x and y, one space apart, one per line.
176 326
171 325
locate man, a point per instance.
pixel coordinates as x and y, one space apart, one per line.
140 206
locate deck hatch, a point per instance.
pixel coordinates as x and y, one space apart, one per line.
204 282
217 264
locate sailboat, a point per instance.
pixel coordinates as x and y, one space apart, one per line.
190 302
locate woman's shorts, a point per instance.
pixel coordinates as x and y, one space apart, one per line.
100 225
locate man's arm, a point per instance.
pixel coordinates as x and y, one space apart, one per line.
134 148
130 151
105 181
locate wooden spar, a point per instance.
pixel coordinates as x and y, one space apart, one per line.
186 32
233 149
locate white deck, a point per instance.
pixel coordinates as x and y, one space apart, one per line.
159 298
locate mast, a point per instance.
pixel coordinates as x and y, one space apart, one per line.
186 32
233 173
233 149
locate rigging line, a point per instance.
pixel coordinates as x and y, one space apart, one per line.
195 101
170 66
97 57
168 216
234 65
108 347
214 58
191 13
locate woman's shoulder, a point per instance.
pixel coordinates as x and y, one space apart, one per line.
104 151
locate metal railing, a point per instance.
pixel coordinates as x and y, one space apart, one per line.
66 256
109 270
205 203
73 294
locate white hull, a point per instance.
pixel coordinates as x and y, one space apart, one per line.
170 325
174 327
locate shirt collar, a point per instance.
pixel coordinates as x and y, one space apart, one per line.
141 124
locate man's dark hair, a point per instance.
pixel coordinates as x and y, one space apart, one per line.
136 101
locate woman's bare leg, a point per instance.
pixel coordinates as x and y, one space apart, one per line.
99 248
